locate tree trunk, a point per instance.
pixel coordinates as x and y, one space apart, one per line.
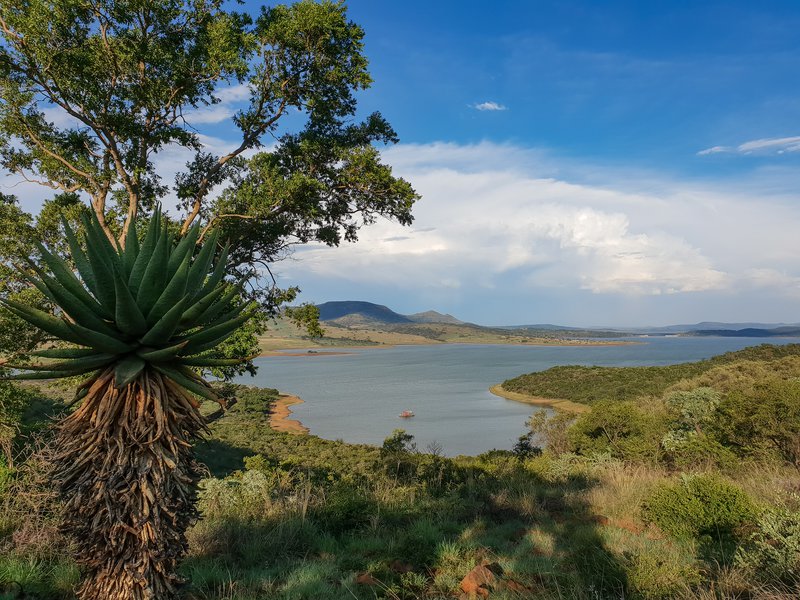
125 469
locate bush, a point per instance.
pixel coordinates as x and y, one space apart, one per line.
698 505
772 551
620 429
763 423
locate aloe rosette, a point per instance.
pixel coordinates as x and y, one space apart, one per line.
138 319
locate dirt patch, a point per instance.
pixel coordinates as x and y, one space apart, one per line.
279 417
556 403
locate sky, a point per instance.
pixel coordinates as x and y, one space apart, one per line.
617 163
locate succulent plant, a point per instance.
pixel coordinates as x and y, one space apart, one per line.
150 305
138 318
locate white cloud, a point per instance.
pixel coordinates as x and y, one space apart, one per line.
489 221
489 105
759 146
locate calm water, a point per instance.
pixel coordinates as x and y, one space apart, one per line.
357 397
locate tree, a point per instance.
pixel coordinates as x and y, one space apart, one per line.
124 76
90 94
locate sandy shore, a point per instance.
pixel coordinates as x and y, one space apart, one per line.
557 404
279 417
306 354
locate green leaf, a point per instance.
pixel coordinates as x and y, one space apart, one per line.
102 265
127 370
160 354
64 352
44 321
201 265
45 374
165 327
95 361
101 341
219 272
153 282
128 317
175 291
209 337
184 248
76 309
66 278
190 317
145 252
210 361
212 312
189 383
131 250
80 259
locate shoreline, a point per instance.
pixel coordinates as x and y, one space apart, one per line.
281 411
312 351
554 403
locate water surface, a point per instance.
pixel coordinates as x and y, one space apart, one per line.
357 397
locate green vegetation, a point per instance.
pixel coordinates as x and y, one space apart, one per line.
592 384
297 517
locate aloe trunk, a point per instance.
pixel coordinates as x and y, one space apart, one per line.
138 320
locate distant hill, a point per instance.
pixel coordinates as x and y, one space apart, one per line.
750 332
431 316
353 311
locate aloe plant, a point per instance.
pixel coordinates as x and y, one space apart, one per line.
137 320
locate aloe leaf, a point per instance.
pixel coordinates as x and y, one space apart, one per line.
153 282
212 312
64 352
188 383
131 250
160 354
219 272
44 321
200 266
45 375
101 341
210 361
77 310
145 252
79 258
95 361
211 336
102 265
127 370
190 317
66 278
129 318
173 292
165 327
184 248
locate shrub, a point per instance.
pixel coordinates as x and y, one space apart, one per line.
552 430
621 429
772 551
764 422
698 505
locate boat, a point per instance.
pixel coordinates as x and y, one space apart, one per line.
406 414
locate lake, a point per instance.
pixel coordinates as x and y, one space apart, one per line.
357 397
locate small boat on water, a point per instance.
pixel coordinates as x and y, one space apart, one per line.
406 414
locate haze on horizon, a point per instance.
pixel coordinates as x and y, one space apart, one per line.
616 165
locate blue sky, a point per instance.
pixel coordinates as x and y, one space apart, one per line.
581 162
585 163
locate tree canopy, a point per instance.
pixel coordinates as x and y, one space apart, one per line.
92 92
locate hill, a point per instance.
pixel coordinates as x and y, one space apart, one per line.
431 316
354 311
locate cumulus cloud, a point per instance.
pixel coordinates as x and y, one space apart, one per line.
759 146
489 105
495 226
